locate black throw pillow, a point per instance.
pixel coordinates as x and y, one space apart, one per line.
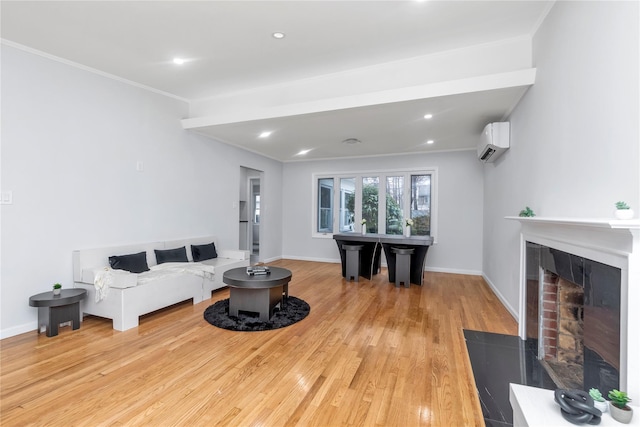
134 263
202 252
171 255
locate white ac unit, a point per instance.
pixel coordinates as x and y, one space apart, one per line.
493 142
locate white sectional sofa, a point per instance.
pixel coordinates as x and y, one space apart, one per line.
124 296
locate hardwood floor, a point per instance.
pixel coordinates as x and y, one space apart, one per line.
368 354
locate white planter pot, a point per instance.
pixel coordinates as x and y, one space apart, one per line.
364 228
57 291
407 231
602 406
624 213
621 415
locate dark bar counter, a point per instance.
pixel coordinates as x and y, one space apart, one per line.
373 246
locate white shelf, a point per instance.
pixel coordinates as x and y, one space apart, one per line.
535 407
581 222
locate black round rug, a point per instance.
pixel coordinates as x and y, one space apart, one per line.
293 310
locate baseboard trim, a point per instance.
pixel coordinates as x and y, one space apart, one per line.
312 259
503 300
20 329
384 264
454 271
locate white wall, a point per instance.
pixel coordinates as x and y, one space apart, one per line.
575 140
70 143
459 247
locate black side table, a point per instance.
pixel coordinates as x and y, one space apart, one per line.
56 309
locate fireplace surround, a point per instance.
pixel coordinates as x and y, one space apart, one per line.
573 313
596 247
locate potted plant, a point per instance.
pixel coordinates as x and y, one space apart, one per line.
56 288
364 226
623 211
527 212
598 400
408 222
620 411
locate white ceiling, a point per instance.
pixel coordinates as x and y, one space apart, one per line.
228 48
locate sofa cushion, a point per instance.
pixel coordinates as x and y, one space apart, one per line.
202 252
171 255
134 263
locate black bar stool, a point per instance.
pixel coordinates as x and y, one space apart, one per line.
352 266
403 266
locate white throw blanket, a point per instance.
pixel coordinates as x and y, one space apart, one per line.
162 270
105 278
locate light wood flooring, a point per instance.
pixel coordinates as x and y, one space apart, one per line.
368 354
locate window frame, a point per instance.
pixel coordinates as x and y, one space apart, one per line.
382 195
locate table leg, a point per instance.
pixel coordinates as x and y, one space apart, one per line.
43 320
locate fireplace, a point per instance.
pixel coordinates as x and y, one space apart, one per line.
574 304
593 265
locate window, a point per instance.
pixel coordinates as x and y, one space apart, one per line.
383 199
394 201
347 204
370 202
325 205
421 204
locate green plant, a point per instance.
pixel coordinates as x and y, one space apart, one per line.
527 212
596 395
57 286
619 398
622 205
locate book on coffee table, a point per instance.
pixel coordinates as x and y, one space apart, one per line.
258 270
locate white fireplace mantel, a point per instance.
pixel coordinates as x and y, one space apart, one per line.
608 241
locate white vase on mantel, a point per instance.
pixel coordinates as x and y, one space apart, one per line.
407 231
364 228
624 213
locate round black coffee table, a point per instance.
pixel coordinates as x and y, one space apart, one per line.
259 293
56 309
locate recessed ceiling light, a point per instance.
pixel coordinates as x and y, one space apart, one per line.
178 61
278 35
265 134
428 116
302 152
351 141
430 141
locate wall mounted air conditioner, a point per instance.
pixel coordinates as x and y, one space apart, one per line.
493 142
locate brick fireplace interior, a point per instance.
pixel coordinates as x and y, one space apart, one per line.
573 313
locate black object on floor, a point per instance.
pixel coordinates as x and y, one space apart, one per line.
293 310
498 360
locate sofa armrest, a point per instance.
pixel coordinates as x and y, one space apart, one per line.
233 254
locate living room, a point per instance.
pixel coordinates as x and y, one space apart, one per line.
94 161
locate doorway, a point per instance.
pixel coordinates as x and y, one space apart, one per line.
254 185
251 212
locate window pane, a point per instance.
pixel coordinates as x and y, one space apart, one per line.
421 204
370 191
347 203
395 198
325 205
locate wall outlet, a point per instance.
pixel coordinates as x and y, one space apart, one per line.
6 197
